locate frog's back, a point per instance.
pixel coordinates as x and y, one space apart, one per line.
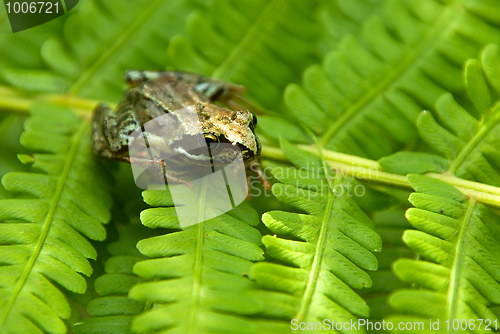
154 98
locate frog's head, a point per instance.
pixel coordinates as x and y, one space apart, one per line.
234 127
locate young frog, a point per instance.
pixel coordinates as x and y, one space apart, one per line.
153 94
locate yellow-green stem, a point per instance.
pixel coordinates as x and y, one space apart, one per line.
13 101
371 170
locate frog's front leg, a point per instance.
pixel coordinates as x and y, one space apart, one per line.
100 144
110 136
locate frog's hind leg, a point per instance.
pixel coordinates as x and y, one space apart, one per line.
228 93
214 89
133 77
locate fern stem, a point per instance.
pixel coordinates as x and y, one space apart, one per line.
318 254
195 292
15 101
47 222
405 65
15 104
370 170
455 276
480 135
316 267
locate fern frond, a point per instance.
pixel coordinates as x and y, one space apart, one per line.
89 60
195 280
344 17
42 232
458 240
323 251
4 21
468 140
365 98
390 225
113 311
21 50
261 44
11 128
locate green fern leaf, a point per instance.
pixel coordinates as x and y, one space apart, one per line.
459 274
21 50
89 59
195 277
323 251
344 17
390 225
4 21
275 127
113 311
11 128
468 139
41 232
366 96
262 45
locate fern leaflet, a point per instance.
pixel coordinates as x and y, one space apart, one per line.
344 17
11 128
469 139
390 225
113 311
261 44
458 239
325 250
374 87
41 231
195 280
89 59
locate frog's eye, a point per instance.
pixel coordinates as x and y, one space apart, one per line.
211 140
253 119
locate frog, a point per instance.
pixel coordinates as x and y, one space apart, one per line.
152 94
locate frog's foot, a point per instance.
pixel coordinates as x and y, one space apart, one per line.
255 167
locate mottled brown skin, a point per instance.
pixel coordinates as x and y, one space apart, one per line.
155 93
